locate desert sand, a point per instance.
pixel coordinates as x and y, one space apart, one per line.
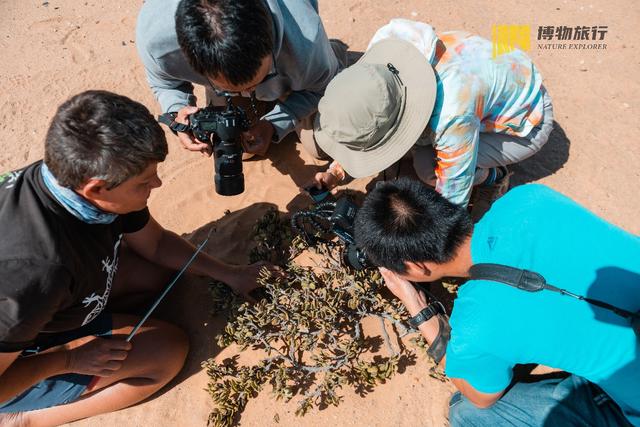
57 48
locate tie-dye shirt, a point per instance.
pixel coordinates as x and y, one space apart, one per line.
476 93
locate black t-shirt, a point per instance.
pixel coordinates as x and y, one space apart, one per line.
56 271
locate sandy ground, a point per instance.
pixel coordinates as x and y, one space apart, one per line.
58 48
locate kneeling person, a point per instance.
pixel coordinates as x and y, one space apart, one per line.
78 248
274 51
462 114
413 233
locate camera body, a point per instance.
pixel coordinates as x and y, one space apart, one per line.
342 221
222 128
333 219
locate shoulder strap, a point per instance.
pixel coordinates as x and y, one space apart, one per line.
531 281
522 279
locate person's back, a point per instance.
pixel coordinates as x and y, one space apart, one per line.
502 93
495 326
488 113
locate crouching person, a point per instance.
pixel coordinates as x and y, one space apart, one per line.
415 234
78 249
462 114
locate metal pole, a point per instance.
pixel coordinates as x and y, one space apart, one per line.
168 287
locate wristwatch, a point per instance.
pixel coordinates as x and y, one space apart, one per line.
427 313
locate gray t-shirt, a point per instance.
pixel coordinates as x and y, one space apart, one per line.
304 60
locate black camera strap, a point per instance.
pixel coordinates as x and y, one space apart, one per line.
534 282
169 119
524 280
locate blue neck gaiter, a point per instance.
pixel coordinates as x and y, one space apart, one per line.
73 202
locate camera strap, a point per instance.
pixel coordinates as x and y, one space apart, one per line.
531 281
169 119
524 280
438 347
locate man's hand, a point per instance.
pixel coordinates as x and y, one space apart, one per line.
244 278
258 139
100 356
322 180
328 179
412 299
188 141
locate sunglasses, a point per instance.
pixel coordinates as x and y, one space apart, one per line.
225 93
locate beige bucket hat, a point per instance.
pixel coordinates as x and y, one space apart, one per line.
373 112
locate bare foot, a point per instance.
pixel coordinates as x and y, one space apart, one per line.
16 419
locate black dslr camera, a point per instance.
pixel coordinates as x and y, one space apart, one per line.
220 127
328 219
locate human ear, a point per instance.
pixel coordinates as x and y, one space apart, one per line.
418 271
93 189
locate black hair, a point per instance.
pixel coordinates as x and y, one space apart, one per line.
225 37
98 134
407 221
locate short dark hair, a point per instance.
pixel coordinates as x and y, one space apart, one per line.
98 134
406 221
225 37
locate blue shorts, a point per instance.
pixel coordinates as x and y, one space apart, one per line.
60 389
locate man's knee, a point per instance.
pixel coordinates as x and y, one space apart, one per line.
424 164
539 138
424 172
177 345
169 346
425 175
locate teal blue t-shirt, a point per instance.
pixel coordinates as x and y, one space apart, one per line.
495 326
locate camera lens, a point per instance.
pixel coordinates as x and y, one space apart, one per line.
229 185
229 179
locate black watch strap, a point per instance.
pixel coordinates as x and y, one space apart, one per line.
438 347
427 313
169 119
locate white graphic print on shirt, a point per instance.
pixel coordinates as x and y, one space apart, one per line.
10 178
110 266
